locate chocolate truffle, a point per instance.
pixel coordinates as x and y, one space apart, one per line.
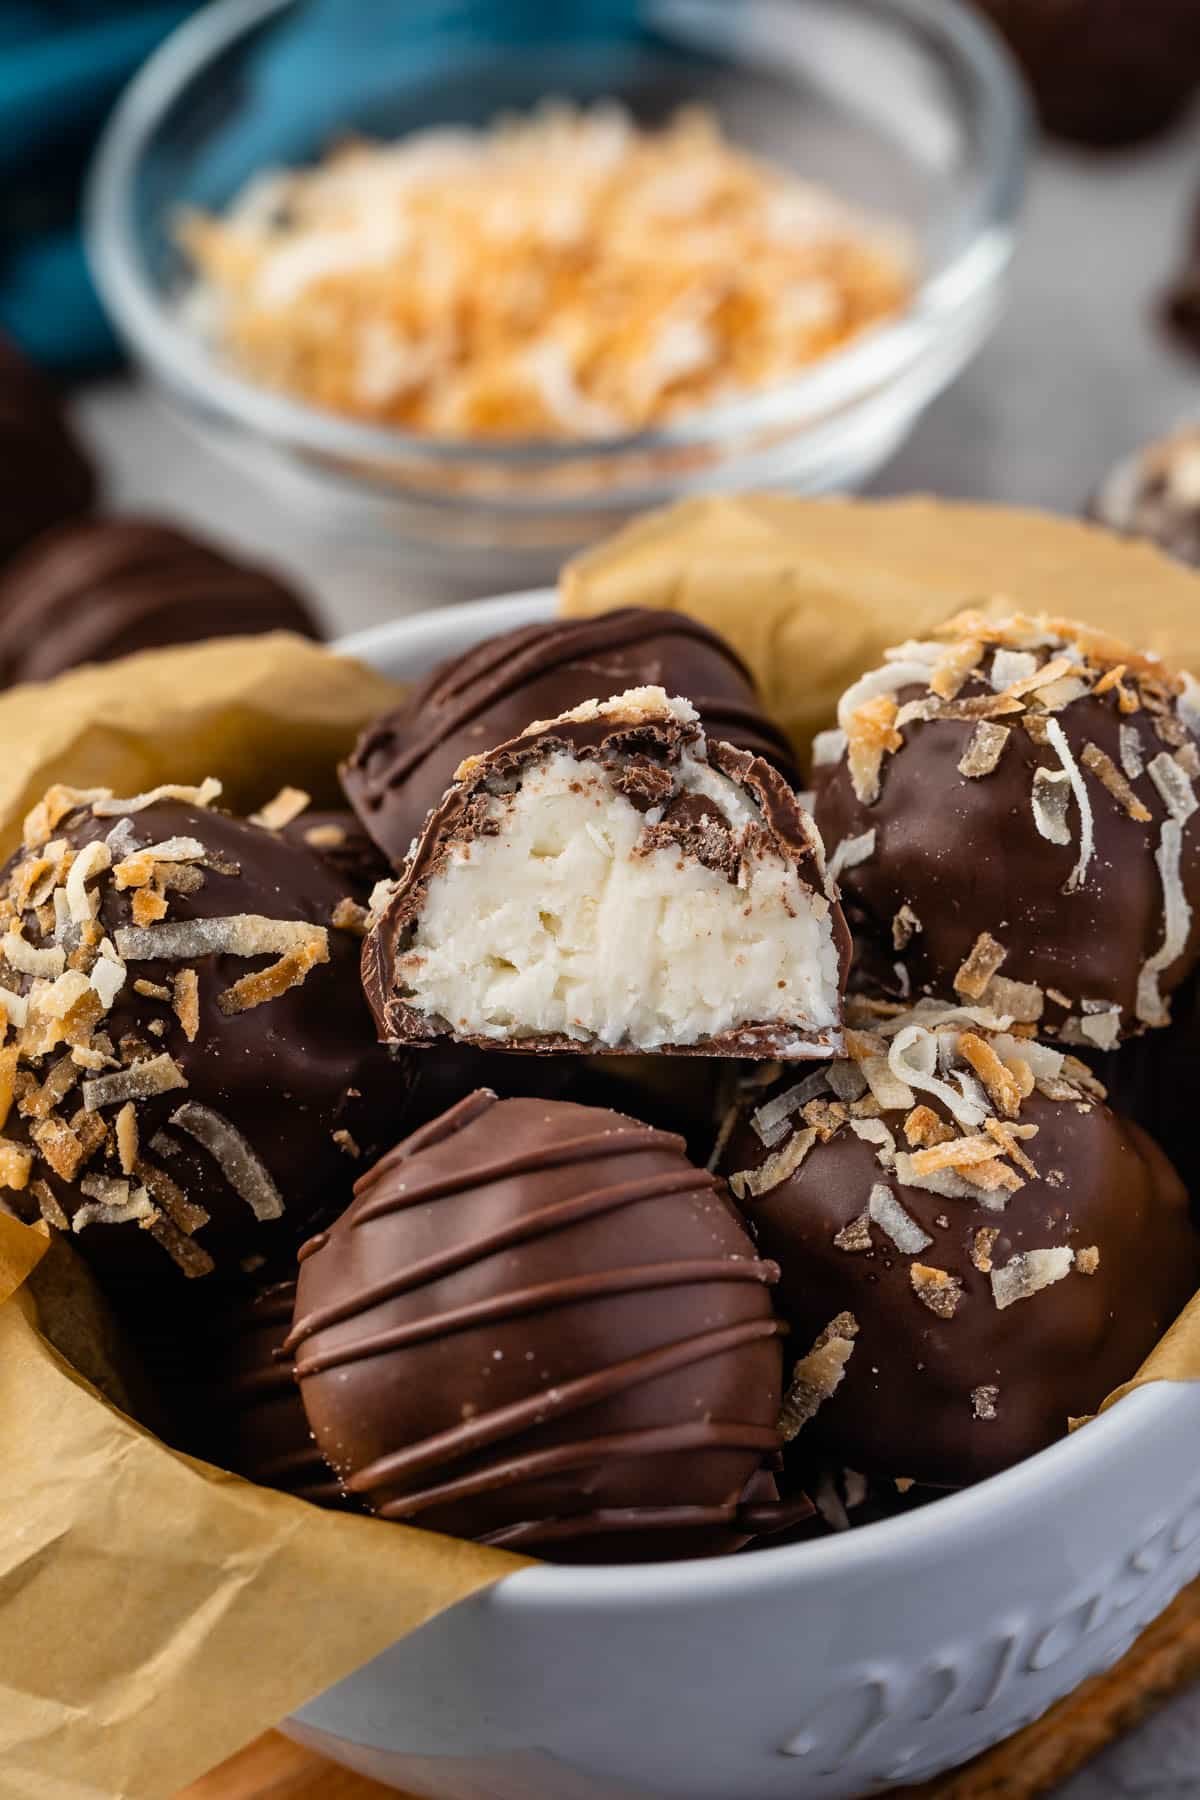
47 477
610 882
1010 813
973 1248
1104 72
102 588
192 1076
260 1428
404 763
539 1325
1155 494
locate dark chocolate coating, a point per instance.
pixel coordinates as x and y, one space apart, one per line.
966 856
403 764
540 1326
340 841
641 755
904 1406
287 1074
99 589
260 1428
46 476
1104 72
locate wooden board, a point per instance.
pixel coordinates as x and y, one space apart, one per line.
1162 1661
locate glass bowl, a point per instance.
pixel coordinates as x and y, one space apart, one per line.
908 108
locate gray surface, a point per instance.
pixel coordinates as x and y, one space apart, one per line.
1075 375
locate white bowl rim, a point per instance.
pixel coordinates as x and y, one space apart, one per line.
182 360
924 1534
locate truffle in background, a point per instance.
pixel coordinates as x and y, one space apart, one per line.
403 764
47 478
608 882
1010 810
540 1326
99 589
1155 494
1104 72
195 1080
973 1249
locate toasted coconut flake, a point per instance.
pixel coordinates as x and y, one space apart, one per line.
127 1138
1102 1028
91 861
905 926
40 1102
185 999
52 808
264 985
182 878
977 706
1087 1260
984 750
923 1126
976 972
1106 771
936 1288
913 1057
847 1081
149 905
884 683
1058 742
828 747
142 866
15 1007
825 1116
1011 666
349 916
124 1207
1002 1087
953 667
15 1164
107 806
943 1182
166 1194
1021 1001
189 1257
157 1075
239 934
27 960
817 1376
151 990
1188 758
770 1120
55 1141
855 1238
242 1168
47 1203
984 1399
1045 676
1027 1273
1132 760
1059 694
892 1092
871 735
983 1243
347 1143
8 1077
1005 1136
851 852
57 999
895 1223
778 1167
1177 918
875 1131
957 1153
107 979
287 805
1175 786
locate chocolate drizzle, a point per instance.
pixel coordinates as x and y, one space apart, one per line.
608 1416
403 763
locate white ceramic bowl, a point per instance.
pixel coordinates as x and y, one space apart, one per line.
813 1672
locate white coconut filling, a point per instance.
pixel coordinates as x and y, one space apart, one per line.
558 924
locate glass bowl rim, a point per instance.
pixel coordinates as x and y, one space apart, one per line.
184 364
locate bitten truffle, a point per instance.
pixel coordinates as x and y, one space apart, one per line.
539 1325
98 589
190 1079
404 763
610 882
973 1249
1010 812
1155 494
47 477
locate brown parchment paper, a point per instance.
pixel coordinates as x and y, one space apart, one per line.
155 1613
812 591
